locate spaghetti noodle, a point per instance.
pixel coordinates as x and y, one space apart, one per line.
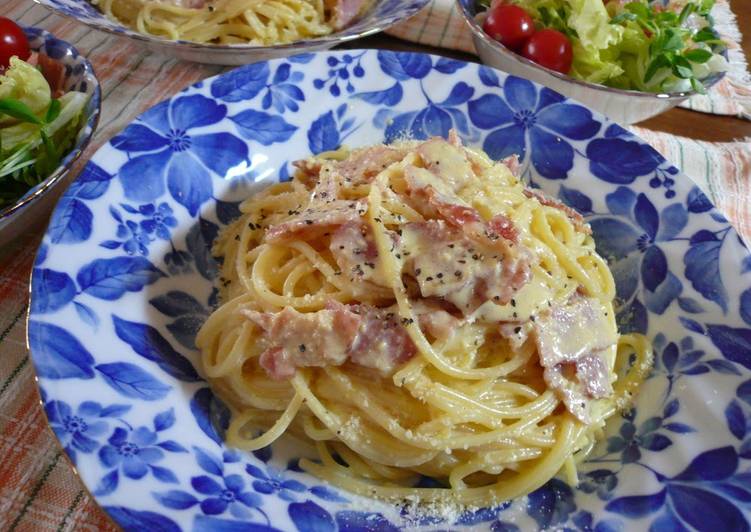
256 22
413 310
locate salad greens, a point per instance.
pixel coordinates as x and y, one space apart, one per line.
36 130
653 46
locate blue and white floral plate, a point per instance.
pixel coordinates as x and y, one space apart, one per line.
124 278
380 16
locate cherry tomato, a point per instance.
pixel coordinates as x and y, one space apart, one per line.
551 49
510 25
13 41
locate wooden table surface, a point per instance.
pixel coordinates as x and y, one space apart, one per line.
677 121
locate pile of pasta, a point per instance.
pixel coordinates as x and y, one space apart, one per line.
255 22
415 311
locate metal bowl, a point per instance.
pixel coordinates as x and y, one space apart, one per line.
36 203
624 106
380 16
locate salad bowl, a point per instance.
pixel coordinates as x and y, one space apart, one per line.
78 76
125 276
623 106
379 17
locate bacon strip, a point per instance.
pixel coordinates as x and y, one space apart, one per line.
382 342
355 252
435 200
305 339
435 320
358 169
569 341
465 271
363 165
316 220
362 334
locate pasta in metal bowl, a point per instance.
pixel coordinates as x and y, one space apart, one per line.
414 310
255 22
198 30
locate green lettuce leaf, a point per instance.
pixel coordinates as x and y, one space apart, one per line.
23 82
591 21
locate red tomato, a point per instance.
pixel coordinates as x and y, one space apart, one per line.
510 25
13 41
551 49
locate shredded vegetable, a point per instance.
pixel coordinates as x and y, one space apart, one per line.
36 130
653 46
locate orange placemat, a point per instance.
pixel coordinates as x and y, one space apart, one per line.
38 488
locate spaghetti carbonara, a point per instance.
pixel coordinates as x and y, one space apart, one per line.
413 310
256 22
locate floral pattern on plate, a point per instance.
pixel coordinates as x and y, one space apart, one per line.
125 278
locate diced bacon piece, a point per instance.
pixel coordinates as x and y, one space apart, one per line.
561 379
54 72
447 162
363 165
501 226
437 202
305 339
453 213
576 218
365 335
308 170
326 188
478 256
277 363
504 279
577 384
420 179
382 343
569 341
592 372
358 169
435 199
440 259
568 332
436 321
355 253
316 220
512 163
345 11
464 271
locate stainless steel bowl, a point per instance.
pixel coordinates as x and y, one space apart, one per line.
624 106
34 206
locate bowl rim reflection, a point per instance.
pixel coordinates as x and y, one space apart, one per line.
332 39
76 151
479 33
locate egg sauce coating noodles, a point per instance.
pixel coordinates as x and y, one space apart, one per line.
257 22
414 310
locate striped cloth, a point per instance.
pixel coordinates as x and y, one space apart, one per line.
38 488
442 25
721 169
